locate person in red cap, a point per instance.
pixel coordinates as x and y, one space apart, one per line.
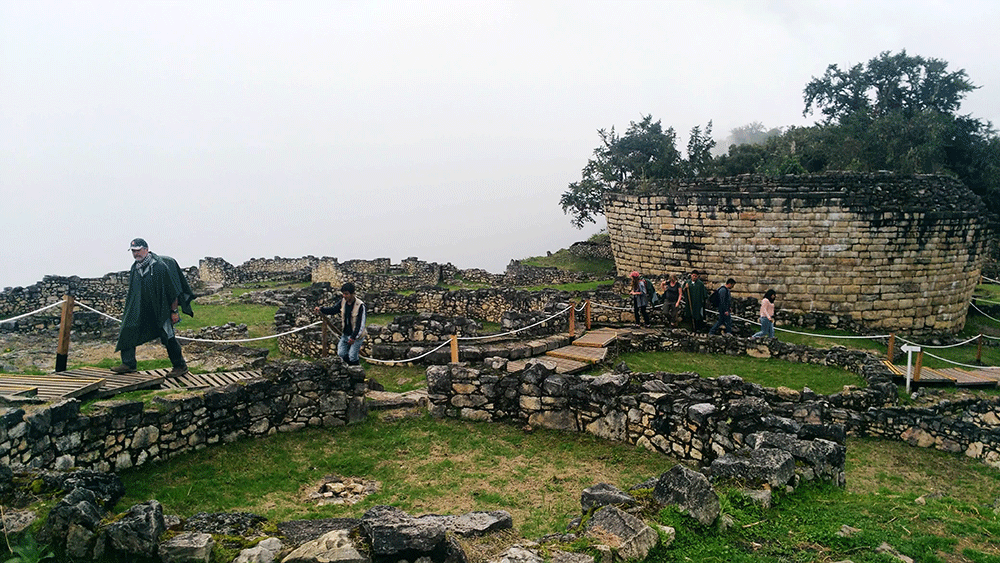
642 295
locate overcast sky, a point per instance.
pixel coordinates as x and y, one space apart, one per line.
441 130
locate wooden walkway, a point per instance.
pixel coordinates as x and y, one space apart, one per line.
96 383
585 351
985 377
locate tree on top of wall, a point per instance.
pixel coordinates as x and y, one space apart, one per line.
645 153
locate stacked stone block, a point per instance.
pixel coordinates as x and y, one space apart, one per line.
887 252
123 434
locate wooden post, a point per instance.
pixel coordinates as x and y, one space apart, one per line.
916 369
454 348
587 313
892 345
325 350
572 320
65 328
979 349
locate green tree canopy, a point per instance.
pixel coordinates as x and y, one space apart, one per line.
645 153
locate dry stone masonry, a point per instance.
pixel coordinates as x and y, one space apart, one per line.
877 250
121 434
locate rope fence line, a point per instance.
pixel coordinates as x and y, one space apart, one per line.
547 319
990 279
959 363
35 312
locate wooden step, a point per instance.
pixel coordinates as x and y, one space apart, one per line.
52 387
579 353
597 338
207 380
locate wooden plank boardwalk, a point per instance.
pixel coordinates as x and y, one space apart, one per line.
985 377
97 383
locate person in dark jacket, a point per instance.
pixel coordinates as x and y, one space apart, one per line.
695 292
725 305
157 292
352 310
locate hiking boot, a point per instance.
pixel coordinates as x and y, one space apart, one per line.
178 371
121 369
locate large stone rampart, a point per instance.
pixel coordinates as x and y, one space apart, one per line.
885 252
122 434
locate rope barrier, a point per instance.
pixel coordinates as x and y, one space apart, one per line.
990 279
959 363
98 312
373 360
981 300
515 331
601 305
925 346
983 313
293 331
35 312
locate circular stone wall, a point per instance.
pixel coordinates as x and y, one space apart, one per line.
877 251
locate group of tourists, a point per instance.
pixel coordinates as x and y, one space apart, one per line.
687 299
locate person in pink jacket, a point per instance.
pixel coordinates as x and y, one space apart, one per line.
766 315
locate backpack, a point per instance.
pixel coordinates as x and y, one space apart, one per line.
713 299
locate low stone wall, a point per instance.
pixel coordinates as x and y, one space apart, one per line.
256 270
682 415
700 419
106 294
512 308
122 434
370 276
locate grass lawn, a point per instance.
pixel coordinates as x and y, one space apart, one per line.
428 466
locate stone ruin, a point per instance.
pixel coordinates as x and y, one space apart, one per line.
883 251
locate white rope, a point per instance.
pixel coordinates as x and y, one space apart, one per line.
373 360
250 339
981 300
35 312
610 307
515 331
983 313
98 312
959 363
938 347
830 336
990 279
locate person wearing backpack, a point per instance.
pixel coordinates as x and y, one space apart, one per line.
725 304
641 292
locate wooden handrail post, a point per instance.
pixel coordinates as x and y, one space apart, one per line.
454 348
587 313
572 319
916 369
979 349
325 348
65 329
892 345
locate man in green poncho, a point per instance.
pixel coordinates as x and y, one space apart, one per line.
694 293
157 289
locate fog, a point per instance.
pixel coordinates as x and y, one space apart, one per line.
441 130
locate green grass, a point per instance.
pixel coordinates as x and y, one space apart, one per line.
566 261
766 372
428 465
397 379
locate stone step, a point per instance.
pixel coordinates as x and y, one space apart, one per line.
562 365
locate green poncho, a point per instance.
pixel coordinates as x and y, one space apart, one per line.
695 294
147 306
